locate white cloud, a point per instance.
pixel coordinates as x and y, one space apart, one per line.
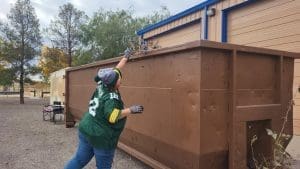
47 9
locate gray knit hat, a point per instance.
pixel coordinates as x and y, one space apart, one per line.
108 76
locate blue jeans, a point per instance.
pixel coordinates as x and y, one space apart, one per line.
85 153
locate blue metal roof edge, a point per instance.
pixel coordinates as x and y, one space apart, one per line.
225 12
177 16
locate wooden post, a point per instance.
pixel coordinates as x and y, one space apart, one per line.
232 111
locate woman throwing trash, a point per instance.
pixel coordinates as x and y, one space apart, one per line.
101 126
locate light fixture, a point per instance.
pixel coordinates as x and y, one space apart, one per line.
211 12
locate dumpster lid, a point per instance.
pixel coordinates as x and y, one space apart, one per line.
192 45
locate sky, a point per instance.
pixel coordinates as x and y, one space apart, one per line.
46 10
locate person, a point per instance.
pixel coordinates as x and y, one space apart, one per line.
101 126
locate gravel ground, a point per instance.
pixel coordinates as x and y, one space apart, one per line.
28 142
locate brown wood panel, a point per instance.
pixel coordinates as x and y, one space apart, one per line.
214 110
83 92
256 97
287 79
255 66
215 78
172 78
258 112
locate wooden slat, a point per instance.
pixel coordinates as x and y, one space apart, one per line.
176 23
291 47
296 115
276 41
258 7
232 110
266 24
296 130
151 162
262 16
181 36
288 29
296 122
258 112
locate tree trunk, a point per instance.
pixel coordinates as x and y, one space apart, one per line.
22 84
70 58
69 49
22 68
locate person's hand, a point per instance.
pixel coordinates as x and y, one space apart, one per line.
136 109
127 53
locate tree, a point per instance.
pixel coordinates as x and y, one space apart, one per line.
64 32
21 40
52 59
108 33
153 18
6 76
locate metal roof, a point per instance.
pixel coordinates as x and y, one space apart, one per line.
177 16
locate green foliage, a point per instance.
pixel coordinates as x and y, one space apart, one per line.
64 31
82 57
6 76
20 40
109 33
51 60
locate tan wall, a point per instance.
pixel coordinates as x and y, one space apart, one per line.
57 86
181 36
270 24
215 22
179 22
214 27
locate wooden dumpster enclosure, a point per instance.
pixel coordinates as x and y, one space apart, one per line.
203 102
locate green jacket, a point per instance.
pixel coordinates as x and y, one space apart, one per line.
101 124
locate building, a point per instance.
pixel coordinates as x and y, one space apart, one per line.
261 23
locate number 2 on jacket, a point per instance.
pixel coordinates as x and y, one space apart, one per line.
93 106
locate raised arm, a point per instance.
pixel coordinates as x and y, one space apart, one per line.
123 61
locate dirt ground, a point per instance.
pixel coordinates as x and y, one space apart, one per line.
28 142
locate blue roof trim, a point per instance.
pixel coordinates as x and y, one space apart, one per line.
225 12
247 2
175 28
177 16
